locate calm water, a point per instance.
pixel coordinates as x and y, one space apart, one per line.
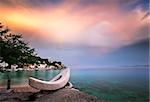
126 85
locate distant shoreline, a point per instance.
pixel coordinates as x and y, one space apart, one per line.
23 69
113 68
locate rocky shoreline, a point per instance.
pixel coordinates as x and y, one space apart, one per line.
61 95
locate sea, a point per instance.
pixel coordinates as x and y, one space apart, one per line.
110 84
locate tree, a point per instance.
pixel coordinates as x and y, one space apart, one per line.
14 51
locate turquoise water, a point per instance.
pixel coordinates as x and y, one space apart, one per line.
115 85
126 85
21 77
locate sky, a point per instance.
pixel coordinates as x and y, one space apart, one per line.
82 33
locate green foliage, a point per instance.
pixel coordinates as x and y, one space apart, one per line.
13 49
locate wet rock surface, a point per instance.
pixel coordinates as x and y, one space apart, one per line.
62 95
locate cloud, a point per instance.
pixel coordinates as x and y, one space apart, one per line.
101 25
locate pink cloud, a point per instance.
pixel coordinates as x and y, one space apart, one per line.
99 25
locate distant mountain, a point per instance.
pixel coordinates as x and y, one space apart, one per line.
131 55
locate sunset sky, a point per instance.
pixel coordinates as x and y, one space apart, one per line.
82 33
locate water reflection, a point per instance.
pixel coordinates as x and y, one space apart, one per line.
21 77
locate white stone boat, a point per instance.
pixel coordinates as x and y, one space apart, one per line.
59 81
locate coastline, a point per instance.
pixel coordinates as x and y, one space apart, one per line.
27 93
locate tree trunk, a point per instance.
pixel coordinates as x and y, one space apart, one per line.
8 78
